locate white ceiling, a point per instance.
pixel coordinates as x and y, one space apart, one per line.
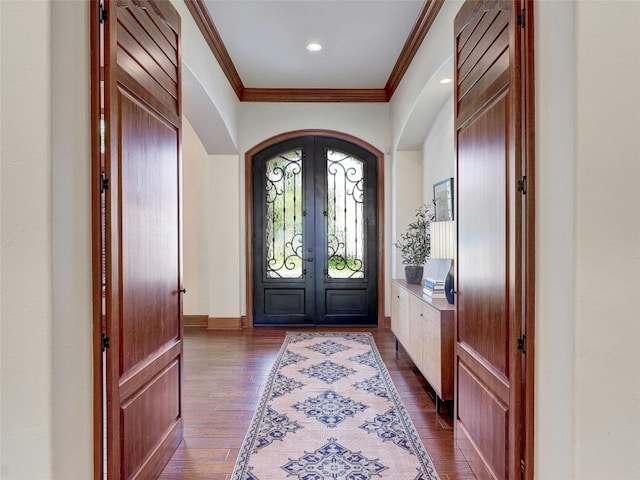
362 39
267 40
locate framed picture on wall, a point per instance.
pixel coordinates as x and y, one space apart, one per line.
443 200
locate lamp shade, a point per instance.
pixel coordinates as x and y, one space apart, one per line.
442 239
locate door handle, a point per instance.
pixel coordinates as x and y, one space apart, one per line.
183 290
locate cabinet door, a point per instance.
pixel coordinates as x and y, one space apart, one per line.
432 348
414 344
395 309
403 317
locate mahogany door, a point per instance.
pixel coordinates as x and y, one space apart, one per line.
315 233
142 164
490 271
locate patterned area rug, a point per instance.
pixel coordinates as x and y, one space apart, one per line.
331 411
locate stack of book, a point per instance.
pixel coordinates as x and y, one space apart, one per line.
432 288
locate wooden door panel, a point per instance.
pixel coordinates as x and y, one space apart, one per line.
152 413
143 236
482 259
483 59
143 28
149 229
487 65
152 60
159 19
488 370
471 52
141 76
491 85
133 37
485 52
484 418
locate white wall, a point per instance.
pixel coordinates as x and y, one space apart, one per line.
367 121
607 241
407 196
197 242
46 398
72 314
26 284
587 362
211 230
227 242
555 238
438 150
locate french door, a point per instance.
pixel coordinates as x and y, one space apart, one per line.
315 233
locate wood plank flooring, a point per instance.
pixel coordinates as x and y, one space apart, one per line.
224 374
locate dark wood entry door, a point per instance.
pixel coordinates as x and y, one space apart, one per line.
315 233
490 269
142 162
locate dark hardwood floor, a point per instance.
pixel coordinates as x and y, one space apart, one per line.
224 374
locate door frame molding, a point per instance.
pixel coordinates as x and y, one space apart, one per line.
248 183
96 244
529 248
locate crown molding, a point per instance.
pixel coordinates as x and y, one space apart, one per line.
423 23
420 29
201 15
334 95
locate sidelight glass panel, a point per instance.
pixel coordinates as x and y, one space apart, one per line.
283 222
345 215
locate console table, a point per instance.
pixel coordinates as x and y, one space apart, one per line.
425 327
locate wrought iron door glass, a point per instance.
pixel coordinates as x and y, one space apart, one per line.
283 222
345 215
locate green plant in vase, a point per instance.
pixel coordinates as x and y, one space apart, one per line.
415 244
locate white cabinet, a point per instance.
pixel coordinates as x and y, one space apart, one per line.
425 328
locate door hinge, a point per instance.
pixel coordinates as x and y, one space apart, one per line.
104 183
106 341
522 343
103 14
521 22
522 185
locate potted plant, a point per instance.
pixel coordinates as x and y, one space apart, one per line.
415 245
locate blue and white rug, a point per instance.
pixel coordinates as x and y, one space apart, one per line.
330 411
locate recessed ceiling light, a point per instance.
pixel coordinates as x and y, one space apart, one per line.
445 80
314 47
